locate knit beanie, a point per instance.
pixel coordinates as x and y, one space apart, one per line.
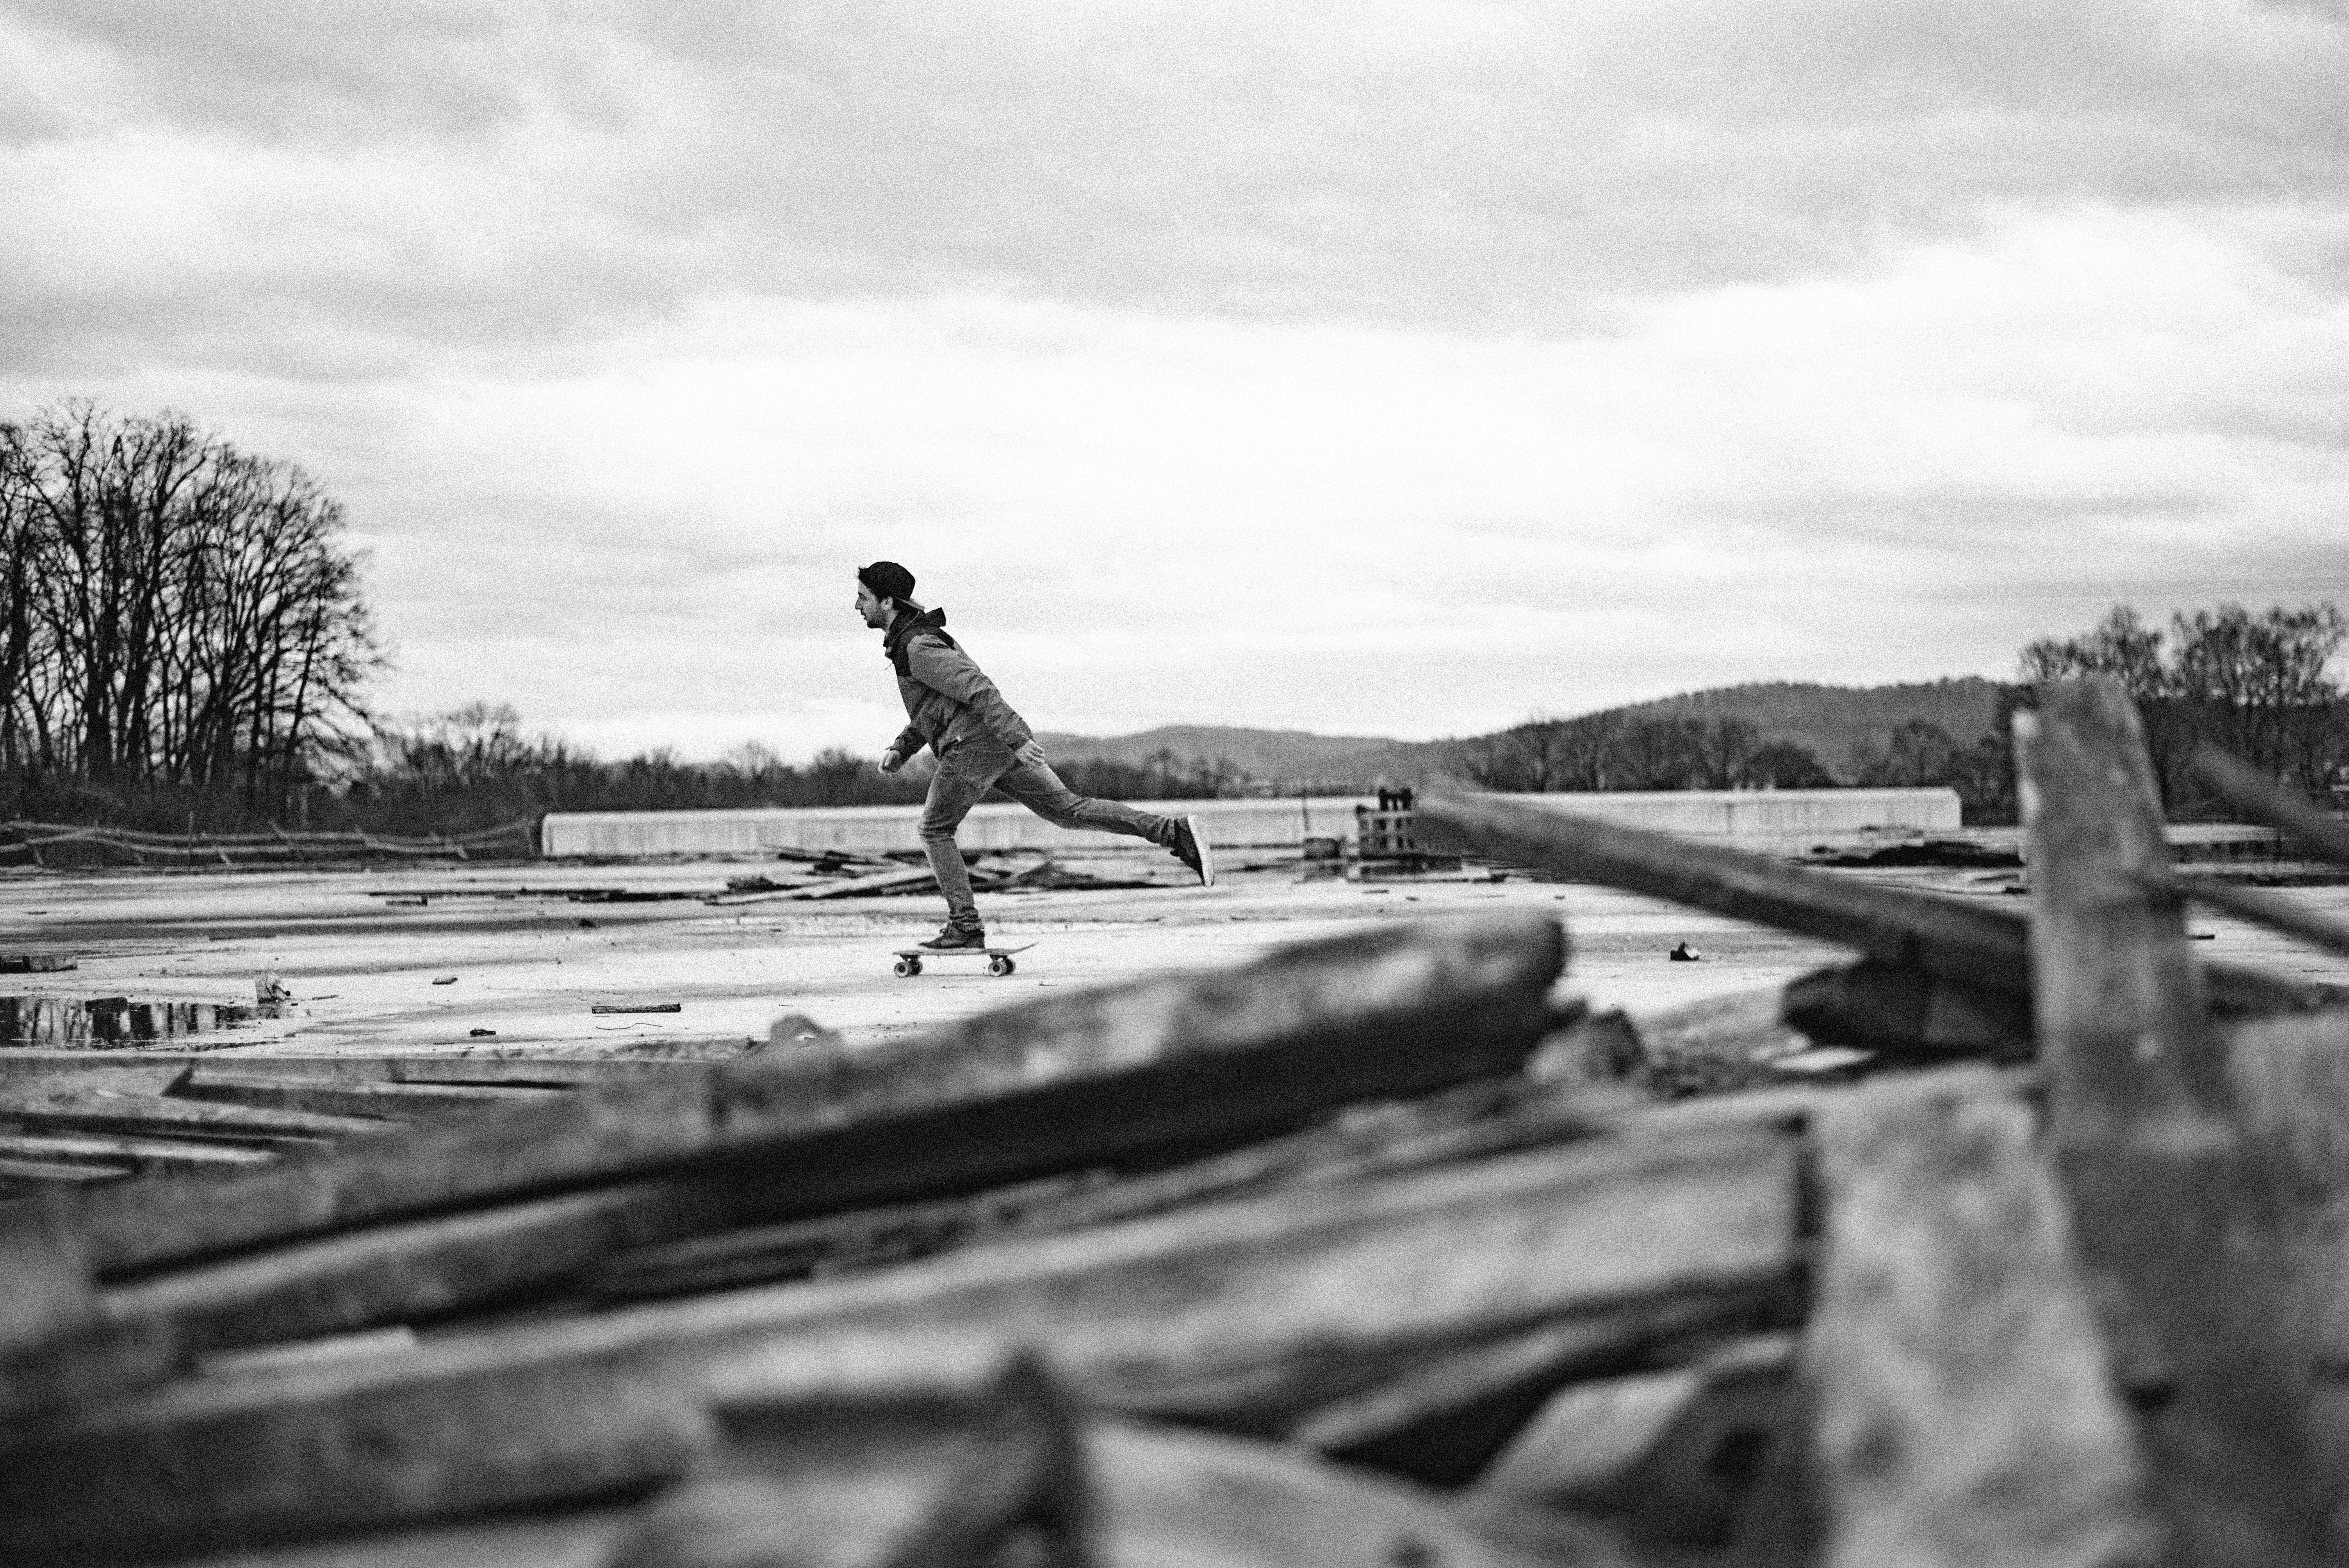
887 580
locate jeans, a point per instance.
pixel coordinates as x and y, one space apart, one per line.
965 775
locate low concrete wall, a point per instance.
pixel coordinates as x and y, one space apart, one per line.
1764 815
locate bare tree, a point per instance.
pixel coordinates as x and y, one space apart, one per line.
176 611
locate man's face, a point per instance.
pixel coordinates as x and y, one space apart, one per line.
875 610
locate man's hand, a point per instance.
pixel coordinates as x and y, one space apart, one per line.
891 761
1031 754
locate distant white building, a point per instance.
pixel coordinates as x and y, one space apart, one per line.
1768 816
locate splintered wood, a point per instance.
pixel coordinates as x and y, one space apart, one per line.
1371 1252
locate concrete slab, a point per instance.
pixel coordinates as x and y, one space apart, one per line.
360 952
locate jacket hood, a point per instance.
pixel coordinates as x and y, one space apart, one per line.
906 623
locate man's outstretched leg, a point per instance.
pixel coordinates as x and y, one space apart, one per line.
1035 786
953 793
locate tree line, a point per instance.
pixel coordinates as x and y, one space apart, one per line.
475 767
176 615
2256 686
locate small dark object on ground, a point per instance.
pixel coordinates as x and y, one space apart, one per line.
1931 852
586 925
638 1007
1684 953
481 1034
1321 849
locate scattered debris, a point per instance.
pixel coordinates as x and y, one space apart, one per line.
638 1007
480 1034
268 990
444 980
1684 953
1955 853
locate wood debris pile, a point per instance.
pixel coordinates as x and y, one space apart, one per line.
1366 1253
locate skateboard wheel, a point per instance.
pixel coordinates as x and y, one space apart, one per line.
1000 966
906 966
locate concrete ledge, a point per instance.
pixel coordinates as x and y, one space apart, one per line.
1755 815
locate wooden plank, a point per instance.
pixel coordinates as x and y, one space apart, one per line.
2248 789
1441 1418
1970 942
2276 910
525 1067
36 1173
396 1101
1167 1315
920 1484
842 887
1203 1499
1964 1413
104 1109
55 1351
1164 1497
1908 1013
2290 1081
623 1239
1667 1457
1023 1090
1475 1120
2174 1219
212 1156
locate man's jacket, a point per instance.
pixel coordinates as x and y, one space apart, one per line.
947 700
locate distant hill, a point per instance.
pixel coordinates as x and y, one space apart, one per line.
1827 721
1258 753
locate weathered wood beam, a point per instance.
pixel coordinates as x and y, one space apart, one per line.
2248 789
1965 1410
394 1101
1463 1123
1908 1013
206 1155
1023 1090
55 1351
1969 943
1667 1456
515 1066
2173 1217
1442 1417
936 1482
98 1107
1214 1312
2277 912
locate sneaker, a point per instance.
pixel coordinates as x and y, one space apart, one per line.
1191 847
953 938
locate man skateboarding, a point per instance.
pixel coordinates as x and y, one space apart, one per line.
981 745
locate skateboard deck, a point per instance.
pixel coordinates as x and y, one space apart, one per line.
999 959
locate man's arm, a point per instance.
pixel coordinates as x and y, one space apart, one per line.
951 671
902 750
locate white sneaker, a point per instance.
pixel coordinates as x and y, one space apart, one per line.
1191 847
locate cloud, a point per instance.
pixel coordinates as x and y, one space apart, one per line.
1402 367
442 176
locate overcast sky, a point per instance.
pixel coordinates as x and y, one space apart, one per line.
1375 368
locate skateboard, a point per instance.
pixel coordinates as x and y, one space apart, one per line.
999 959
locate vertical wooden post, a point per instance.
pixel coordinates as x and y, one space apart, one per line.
1964 1414
2178 1233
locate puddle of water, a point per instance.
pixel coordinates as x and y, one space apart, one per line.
104 1023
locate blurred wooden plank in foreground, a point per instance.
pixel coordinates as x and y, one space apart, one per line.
2174 1219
